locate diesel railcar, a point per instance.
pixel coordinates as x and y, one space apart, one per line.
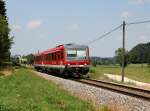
67 59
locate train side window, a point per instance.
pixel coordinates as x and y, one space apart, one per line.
46 57
49 57
61 53
41 58
35 58
53 58
38 58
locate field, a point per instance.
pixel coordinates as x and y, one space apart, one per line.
24 91
134 71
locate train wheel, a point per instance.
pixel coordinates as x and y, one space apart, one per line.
76 75
65 75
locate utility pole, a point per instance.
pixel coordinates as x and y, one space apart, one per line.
123 51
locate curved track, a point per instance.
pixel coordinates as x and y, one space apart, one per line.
124 89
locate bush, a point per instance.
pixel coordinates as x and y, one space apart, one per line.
94 64
92 71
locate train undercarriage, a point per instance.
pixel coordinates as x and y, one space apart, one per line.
66 71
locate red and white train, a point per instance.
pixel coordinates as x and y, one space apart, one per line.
68 59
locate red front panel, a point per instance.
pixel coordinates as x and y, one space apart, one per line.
79 62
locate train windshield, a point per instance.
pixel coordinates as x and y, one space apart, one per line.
76 54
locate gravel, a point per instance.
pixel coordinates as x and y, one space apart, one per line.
99 96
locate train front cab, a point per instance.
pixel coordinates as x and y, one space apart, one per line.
77 60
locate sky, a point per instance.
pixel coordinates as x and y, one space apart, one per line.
38 25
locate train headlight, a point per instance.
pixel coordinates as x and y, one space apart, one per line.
85 64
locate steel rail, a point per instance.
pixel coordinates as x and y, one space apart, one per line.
121 88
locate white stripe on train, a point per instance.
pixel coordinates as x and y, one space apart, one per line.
61 66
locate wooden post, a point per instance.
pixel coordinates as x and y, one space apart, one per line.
123 51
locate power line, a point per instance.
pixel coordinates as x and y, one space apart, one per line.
130 23
140 22
102 36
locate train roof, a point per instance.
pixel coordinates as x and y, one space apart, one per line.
72 45
67 46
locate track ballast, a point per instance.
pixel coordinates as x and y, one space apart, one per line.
124 89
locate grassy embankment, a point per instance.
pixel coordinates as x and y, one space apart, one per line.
24 91
6 71
134 71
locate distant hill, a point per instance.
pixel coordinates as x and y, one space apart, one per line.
102 60
140 53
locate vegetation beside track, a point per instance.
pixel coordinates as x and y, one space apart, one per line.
24 91
6 71
137 72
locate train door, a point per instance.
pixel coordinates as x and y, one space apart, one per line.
60 57
53 58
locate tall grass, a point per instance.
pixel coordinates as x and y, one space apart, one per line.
24 91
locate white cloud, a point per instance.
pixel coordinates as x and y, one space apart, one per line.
126 14
15 27
140 1
34 24
73 27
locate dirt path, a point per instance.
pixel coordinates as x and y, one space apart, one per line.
128 80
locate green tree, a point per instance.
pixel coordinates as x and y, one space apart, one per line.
5 39
118 57
140 53
2 8
94 63
30 59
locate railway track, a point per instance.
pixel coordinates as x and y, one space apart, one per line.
120 88
124 89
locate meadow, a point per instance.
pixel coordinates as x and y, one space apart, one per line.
25 91
139 72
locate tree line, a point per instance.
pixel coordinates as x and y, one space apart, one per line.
5 39
140 54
